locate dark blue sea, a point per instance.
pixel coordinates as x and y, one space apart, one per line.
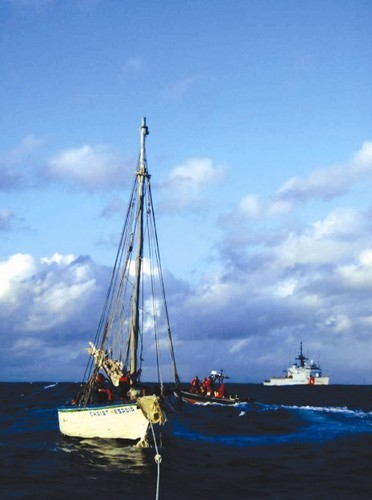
295 442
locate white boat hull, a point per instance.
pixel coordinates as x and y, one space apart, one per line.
118 421
281 381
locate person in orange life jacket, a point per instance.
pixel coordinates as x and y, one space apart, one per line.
103 393
203 387
220 392
195 384
208 386
124 386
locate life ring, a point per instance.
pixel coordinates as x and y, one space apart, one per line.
312 380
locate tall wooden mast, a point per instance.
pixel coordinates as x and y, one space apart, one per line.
142 175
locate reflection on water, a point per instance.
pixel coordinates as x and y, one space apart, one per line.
109 454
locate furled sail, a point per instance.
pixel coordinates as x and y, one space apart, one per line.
114 369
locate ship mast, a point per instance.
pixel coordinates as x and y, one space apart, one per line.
302 358
142 175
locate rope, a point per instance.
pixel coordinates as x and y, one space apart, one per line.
158 459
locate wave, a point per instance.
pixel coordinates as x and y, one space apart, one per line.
332 411
326 409
50 385
271 424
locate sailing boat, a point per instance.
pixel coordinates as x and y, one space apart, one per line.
113 402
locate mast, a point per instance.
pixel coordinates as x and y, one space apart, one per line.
301 357
141 177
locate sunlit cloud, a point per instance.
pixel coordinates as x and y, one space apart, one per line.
88 167
239 346
250 206
328 183
13 271
46 292
362 159
195 173
188 182
325 184
358 274
325 240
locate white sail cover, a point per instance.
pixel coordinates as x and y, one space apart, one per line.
114 369
151 408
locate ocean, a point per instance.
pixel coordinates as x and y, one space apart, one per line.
295 442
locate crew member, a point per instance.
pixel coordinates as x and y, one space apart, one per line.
124 386
102 394
195 384
220 392
208 386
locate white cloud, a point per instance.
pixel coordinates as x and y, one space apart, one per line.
279 207
285 288
339 323
28 344
41 294
54 303
326 183
250 206
358 275
59 259
88 167
239 346
13 271
188 182
365 257
329 182
322 241
363 158
195 173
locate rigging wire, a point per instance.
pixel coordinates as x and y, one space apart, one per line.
158 459
161 279
155 313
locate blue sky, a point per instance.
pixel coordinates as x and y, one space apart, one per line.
260 151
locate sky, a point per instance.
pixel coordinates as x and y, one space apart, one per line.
260 151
